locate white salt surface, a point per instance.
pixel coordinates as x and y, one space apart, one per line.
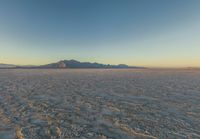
99 103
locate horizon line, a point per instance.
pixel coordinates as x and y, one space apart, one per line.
152 67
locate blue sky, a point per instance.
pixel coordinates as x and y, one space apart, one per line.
154 33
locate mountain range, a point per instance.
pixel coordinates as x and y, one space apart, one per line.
7 65
70 64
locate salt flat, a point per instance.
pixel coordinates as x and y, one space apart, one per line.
99 103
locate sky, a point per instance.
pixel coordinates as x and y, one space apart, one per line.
152 33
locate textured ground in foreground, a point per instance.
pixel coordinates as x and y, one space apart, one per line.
99 104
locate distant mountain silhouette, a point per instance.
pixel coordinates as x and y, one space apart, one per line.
69 64
77 64
7 65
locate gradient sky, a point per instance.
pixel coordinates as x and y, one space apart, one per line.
155 33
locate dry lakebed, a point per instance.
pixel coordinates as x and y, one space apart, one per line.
99 104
